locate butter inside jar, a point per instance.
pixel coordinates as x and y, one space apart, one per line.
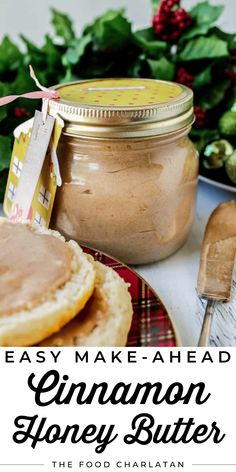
128 167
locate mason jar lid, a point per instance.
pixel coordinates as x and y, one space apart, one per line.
123 107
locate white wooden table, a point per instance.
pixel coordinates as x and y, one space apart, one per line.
175 280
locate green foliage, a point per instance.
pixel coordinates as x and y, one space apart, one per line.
76 51
10 56
203 78
230 38
161 69
3 111
198 30
203 16
212 97
47 61
137 66
109 47
3 114
147 41
5 152
111 30
204 48
202 136
3 183
63 26
155 5
204 13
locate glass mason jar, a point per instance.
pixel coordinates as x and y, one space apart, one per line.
128 168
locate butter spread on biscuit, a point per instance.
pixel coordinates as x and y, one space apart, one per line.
32 267
94 312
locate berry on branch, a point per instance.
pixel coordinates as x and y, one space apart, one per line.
21 112
232 76
184 77
200 115
171 21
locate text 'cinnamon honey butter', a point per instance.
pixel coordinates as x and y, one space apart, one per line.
128 167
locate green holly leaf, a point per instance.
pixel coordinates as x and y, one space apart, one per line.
33 52
5 152
206 13
198 30
3 90
204 48
22 83
10 56
76 50
147 41
45 60
68 77
136 67
111 31
63 26
52 53
203 15
213 96
155 5
3 113
161 69
230 38
3 110
204 78
96 66
3 183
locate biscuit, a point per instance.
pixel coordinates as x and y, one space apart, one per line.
106 318
31 325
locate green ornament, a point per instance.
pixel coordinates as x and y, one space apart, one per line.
230 167
227 123
233 108
216 153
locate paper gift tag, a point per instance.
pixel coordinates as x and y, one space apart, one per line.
33 178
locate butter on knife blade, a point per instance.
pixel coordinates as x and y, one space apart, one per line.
218 253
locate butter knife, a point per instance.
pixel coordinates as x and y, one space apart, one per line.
217 263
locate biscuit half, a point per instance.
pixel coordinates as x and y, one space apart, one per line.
106 318
30 326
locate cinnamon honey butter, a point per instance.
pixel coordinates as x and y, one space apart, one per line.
128 167
32 266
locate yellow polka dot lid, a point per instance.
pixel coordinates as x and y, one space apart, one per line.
124 107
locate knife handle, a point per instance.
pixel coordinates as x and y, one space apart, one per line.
207 323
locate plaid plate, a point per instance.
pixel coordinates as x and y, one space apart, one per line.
151 324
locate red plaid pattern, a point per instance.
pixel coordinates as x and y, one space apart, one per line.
151 325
